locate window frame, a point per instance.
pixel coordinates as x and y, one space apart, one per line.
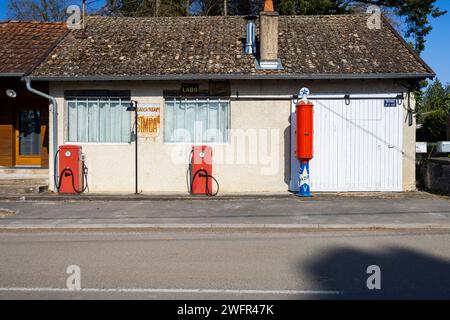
82 95
221 99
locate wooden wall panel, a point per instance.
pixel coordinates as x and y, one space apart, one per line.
6 133
8 110
44 138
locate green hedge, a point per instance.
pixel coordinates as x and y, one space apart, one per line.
435 126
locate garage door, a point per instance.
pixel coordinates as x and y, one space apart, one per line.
357 147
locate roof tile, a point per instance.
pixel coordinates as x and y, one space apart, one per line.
308 45
25 44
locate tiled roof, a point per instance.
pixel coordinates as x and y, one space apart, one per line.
24 44
211 46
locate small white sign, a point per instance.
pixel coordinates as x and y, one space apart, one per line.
421 147
443 146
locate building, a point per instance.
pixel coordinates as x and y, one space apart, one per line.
24 134
198 80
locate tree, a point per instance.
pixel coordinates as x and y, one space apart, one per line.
211 7
244 7
311 7
434 98
416 14
435 126
38 10
433 110
144 8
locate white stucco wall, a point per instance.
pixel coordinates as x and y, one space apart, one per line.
111 166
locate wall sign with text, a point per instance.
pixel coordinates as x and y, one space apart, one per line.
190 88
390 103
149 119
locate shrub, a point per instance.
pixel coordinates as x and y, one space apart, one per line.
435 125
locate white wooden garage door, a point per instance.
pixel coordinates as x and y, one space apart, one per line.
357 147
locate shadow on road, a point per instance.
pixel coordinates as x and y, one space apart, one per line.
405 274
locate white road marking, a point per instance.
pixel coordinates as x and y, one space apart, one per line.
149 290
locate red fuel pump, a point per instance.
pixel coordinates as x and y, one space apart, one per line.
304 112
304 147
201 171
72 170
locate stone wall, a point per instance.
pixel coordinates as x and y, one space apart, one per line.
434 175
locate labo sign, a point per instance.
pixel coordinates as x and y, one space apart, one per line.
149 119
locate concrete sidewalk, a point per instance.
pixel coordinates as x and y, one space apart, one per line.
414 210
51 196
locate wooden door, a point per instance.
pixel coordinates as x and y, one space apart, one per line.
30 131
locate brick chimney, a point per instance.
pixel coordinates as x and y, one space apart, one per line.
268 34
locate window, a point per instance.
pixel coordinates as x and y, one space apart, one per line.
196 120
98 120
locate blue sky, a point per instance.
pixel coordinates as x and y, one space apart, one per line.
437 50
436 53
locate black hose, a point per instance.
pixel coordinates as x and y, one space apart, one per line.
73 179
189 172
208 192
207 176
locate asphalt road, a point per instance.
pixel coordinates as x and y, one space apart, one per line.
206 265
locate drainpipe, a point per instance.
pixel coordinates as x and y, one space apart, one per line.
55 124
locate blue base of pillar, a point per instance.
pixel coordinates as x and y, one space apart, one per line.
304 182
